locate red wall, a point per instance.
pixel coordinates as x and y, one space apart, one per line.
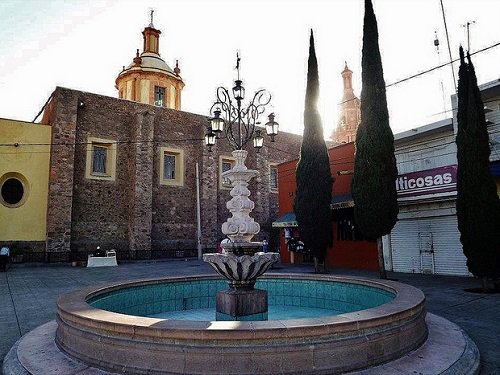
345 254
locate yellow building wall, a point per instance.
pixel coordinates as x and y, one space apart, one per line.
128 92
172 97
30 163
145 87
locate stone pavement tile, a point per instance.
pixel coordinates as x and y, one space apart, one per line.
488 368
35 291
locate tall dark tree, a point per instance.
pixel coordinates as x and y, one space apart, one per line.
478 205
314 179
375 172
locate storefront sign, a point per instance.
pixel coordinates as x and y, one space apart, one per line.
431 181
339 205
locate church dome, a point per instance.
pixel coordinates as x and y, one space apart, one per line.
149 79
150 62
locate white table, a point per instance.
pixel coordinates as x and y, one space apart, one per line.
107 261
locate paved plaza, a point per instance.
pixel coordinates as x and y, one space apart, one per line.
28 295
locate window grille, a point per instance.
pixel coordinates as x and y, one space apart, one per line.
273 178
226 166
99 159
160 97
169 167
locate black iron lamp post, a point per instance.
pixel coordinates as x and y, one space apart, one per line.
272 127
210 137
258 140
216 123
229 119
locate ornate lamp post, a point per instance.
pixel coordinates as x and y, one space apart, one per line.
242 262
236 122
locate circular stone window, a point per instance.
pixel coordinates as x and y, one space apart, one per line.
12 192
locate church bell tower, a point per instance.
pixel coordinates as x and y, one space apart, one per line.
149 79
349 112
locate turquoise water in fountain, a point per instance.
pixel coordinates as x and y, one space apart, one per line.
288 298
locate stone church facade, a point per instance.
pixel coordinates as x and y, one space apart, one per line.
130 205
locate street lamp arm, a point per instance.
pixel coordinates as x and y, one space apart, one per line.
240 122
236 121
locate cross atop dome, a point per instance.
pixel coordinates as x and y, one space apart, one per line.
151 23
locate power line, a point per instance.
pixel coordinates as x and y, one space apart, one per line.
429 70
440 66
389 85
41 110
448 41
201 139
111 143
454 108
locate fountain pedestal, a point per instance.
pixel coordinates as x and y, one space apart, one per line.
241 301
240 304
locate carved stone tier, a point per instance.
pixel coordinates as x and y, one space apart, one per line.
240 227
241 272
241 263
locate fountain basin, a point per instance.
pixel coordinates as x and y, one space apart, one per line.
324 345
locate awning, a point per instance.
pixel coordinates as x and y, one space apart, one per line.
285 221
341 201
288 220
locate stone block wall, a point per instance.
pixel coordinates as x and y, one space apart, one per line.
64 107
210 198
140 185
101 208
174 207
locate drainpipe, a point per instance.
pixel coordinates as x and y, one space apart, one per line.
386 240
198 212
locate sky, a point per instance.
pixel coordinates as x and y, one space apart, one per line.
83 44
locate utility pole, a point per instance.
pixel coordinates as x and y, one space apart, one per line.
467 26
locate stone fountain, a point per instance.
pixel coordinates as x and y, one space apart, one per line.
241 262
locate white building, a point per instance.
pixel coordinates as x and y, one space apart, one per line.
425 238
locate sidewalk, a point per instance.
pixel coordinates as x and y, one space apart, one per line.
28 295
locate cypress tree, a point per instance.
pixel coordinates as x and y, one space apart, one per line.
375 172
314 180
478 205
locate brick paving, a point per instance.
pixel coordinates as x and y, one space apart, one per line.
28 295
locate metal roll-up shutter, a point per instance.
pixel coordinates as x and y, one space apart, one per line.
449 258
405 247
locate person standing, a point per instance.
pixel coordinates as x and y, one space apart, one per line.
4 258
291 249
265 246
288 234
291 245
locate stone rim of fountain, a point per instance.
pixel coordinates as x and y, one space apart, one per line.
95 335
408 301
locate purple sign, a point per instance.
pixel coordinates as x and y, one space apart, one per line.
431 181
